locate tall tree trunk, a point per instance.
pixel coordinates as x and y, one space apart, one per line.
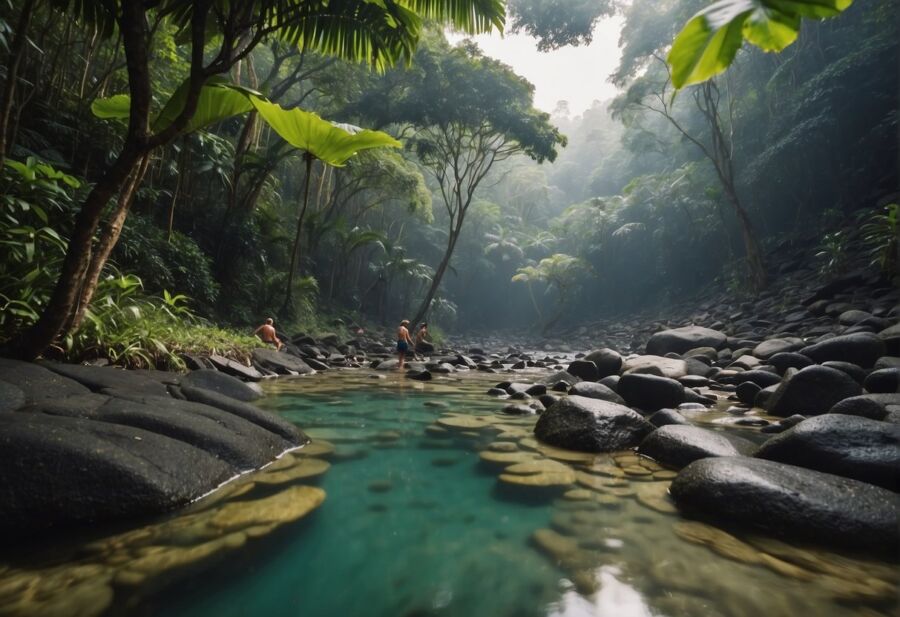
16 52
439 273
295 251
751 246
107 242
182 156
29 343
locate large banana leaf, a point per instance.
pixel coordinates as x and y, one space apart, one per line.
218 101
707 44
115 107
325 141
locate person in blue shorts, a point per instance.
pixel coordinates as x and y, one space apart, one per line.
404 342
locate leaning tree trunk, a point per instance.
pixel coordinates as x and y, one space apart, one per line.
751 246
106 244
439 273
295 251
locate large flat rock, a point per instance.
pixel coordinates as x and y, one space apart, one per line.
98 378
812 391
281 362
656 365
57 471
37 383
225 385
681 340
269 421
790 502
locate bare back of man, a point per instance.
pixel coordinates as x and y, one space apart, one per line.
267 334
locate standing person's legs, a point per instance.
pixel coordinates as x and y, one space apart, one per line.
401 354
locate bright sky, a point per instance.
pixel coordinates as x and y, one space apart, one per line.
574 74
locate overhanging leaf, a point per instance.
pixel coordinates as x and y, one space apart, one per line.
322 139
707 44
115 107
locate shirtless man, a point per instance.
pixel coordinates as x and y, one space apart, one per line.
266 333
404 342
420 338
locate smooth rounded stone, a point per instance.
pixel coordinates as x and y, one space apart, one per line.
389 364
608 361
746 392
709 353
520 396
887 362
853 317
543 465
873 406
507 458
496 392
305 468
591 425
518 410
849 446
680 340
223 384
761 378
554 380
751 422
862 349
812 391
58 471
611 382
694 381
285 506
650 392
891 338
856 372
691 407
503 446
463 423
547 399
536 390
11 397
775 346
282 362
542 479
578 494
678 445
269 421
38 383
98 378
656 365
764 397
783 425
655 495
791 502
562 454
886 380
597 391
665 417
785 360
515 388
420 375
234 368
583 369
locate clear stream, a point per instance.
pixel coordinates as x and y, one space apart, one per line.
416 524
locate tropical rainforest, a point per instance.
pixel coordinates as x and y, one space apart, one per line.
175 172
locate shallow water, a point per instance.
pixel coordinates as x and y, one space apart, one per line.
415 523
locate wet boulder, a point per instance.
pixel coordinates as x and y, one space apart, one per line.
591 425
861 348
812 391
36 382
656 365
761 378
280 362
650 392
11 397
596 390
677 446
785 360
226 385
746 392
794 503
872 406
681 340
857 373
608 361
583 369
849 446
665 417
774 346
883 381
97 378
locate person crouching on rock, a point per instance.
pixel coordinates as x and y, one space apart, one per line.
266 333
422 345
403 342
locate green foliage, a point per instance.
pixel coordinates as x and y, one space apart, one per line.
556 24
832 253
708 43
881 235
163 263
129 328
34 207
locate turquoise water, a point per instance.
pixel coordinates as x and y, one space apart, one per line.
415 524
411 526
